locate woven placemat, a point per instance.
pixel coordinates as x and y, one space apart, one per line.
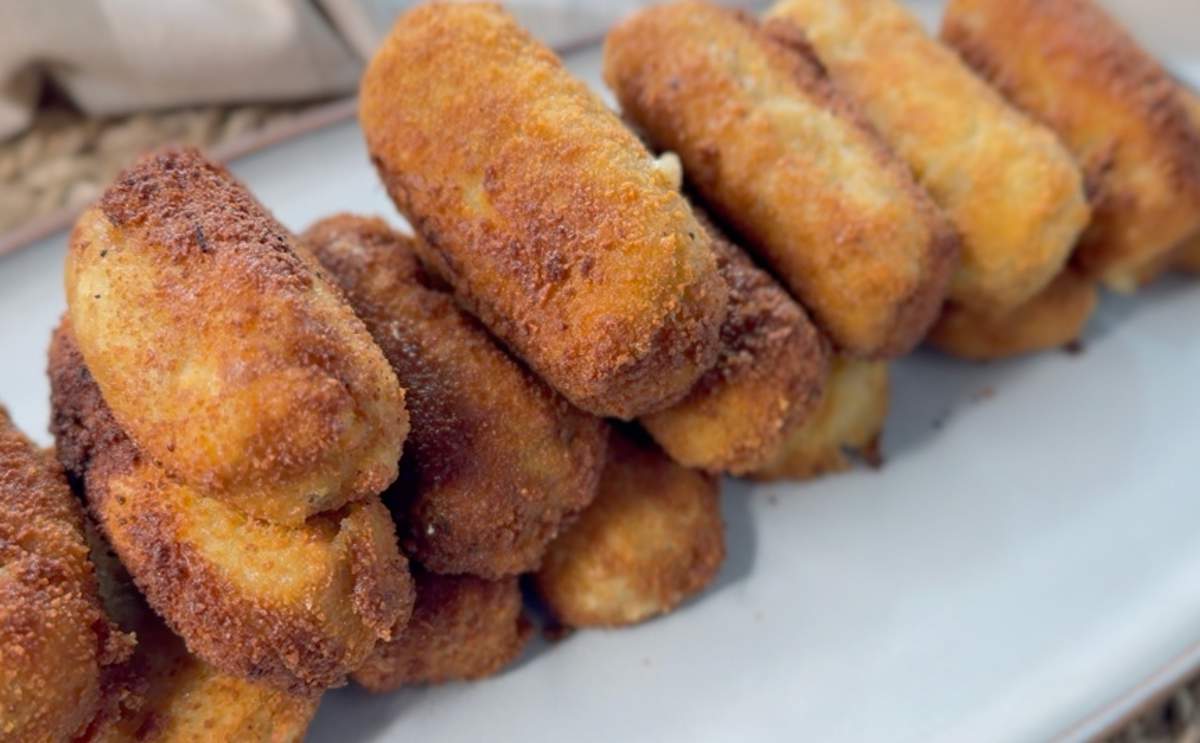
1177 720
65 160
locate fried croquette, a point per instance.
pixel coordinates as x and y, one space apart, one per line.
1008 185
1068 63
297 607
652 538
547 216
188 700
1053 319
173 695
57 645
849 418
1187 256
225 356
780 155
767 379
495 460
462 628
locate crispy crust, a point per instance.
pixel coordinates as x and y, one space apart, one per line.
175 696
781 156
1187 256
1068 63
228 358
767 379
190 700
462 628
297 607
652 538
496 461
1005 181
849 418
1054 318
546 215
57 646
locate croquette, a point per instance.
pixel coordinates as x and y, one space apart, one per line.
546 215
775 151
227 358
652 538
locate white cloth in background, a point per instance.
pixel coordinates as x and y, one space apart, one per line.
115 56
112 56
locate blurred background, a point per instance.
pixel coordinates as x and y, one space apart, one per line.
87 84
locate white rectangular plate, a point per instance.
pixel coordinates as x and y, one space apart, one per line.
1027 555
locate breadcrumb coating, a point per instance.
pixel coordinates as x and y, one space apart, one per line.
849 418
546 215
1053 319
1187 256
1071 65
496 461
462 628
297 607
173 696
1011 189
767 379
229 359
783 157
57 646
653 538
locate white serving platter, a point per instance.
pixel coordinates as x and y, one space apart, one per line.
1025 566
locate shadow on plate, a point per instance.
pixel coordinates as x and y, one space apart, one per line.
740 538
930 388
352 714
1116 310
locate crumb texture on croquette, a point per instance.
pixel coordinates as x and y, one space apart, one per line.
1187 256
295 606
56 643
224 354
547 216
781 155
462 628
1070 64
1013 192
190 700
496 460
849 419
652 538
170 695
1054 318
767 378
